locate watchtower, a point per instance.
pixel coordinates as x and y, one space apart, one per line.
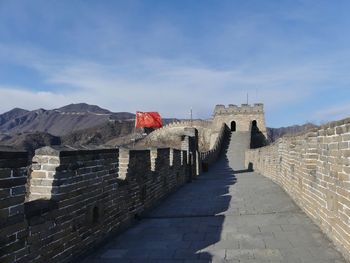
240 118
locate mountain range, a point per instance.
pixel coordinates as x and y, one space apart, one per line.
81 124
74 124
58 122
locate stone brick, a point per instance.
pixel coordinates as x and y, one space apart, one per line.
5 172
12 201
17 209
89 201
38 174
12 182
326 197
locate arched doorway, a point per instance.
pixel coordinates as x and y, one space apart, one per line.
254 124
233 126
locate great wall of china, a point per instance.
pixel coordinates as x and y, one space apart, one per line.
314 169
65 202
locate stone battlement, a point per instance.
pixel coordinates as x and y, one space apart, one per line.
68 201
181 124
240 118
313 168
234 109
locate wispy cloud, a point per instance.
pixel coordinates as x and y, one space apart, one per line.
176 55
19 97
171 86
333 113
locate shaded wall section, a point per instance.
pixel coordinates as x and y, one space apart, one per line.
314 169
13 228
78 198
211 156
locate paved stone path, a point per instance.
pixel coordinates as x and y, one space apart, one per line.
224 216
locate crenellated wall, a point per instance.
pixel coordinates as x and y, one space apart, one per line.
77 198
314 169
243 116
209 157
171 134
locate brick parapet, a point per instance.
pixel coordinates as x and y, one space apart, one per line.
314 169
77 198
13 228
235 109
209 157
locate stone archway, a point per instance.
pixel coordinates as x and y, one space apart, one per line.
233 126
254 124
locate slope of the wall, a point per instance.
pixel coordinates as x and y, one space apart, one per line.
171 135
209 157
314 169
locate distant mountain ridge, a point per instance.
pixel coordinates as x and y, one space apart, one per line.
81 125
12 114
74 125
274 133
60 121
83 107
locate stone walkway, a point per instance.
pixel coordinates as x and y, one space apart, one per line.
224 216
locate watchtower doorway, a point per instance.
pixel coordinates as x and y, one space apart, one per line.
233 126
254 124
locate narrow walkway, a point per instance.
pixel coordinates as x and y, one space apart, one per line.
224 216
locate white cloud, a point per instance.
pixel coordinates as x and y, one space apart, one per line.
169 86
17 97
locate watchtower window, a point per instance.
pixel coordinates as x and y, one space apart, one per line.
254 124
233 126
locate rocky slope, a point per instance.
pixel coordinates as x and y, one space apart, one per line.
100 134
11 115
28 141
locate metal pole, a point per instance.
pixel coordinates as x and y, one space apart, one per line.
191 116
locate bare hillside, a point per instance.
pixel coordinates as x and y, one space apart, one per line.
58 122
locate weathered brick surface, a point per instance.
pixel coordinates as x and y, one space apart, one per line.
314 169
13 177
76 199
209 157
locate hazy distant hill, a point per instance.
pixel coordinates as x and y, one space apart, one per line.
58 122
275 133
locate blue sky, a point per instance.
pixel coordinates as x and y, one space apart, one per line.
169 56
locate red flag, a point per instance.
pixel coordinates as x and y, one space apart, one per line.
148 120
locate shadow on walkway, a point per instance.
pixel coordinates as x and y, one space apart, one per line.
184 227
223 216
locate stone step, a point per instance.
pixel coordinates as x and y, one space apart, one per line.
239 143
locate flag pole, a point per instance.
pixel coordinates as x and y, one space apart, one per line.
191 116
133 140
